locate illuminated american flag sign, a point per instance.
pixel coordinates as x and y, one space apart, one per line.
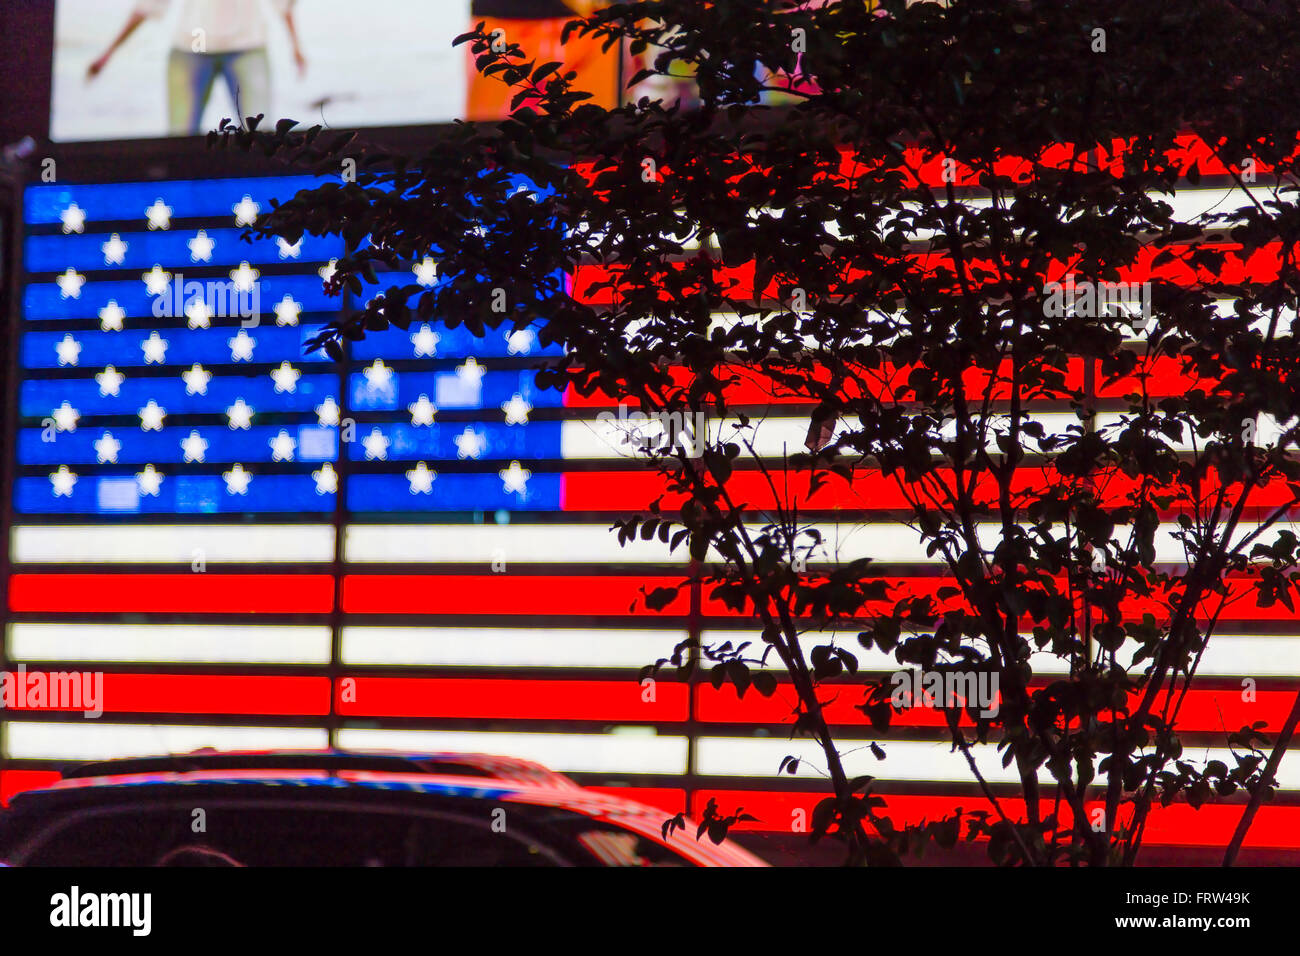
264 548
410 549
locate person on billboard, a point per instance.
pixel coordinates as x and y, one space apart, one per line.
212 38
536 25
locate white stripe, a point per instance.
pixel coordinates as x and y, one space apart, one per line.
606 437
896 542
507 647
780 435
1227 654
492 543
610 438
1188 204
89 740
180 643
179 544
905 760
873 660
912 761
772 437
487 544
886 541
1285 317
597 239
1235 655
567 753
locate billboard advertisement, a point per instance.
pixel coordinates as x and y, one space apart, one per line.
128 69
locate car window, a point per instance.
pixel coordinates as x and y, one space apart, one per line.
615 847
112 838
434 843
587 841
246 833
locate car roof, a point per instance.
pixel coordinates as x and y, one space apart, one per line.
493 766
641 819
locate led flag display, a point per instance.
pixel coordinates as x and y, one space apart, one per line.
259 547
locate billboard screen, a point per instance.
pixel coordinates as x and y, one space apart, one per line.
251 547
127 69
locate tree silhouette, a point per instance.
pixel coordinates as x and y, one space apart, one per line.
957 246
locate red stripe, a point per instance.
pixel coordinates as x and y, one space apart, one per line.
1161 376
609 490
172 593
1190 153
1213 825
1203 711
594 594
512 699
1158 377
599 284
16 781
872 490
204 694
746 386
1240 604
621 595
661 798
1176 825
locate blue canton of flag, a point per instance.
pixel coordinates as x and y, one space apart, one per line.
165 372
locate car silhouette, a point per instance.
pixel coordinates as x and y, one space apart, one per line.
338 808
